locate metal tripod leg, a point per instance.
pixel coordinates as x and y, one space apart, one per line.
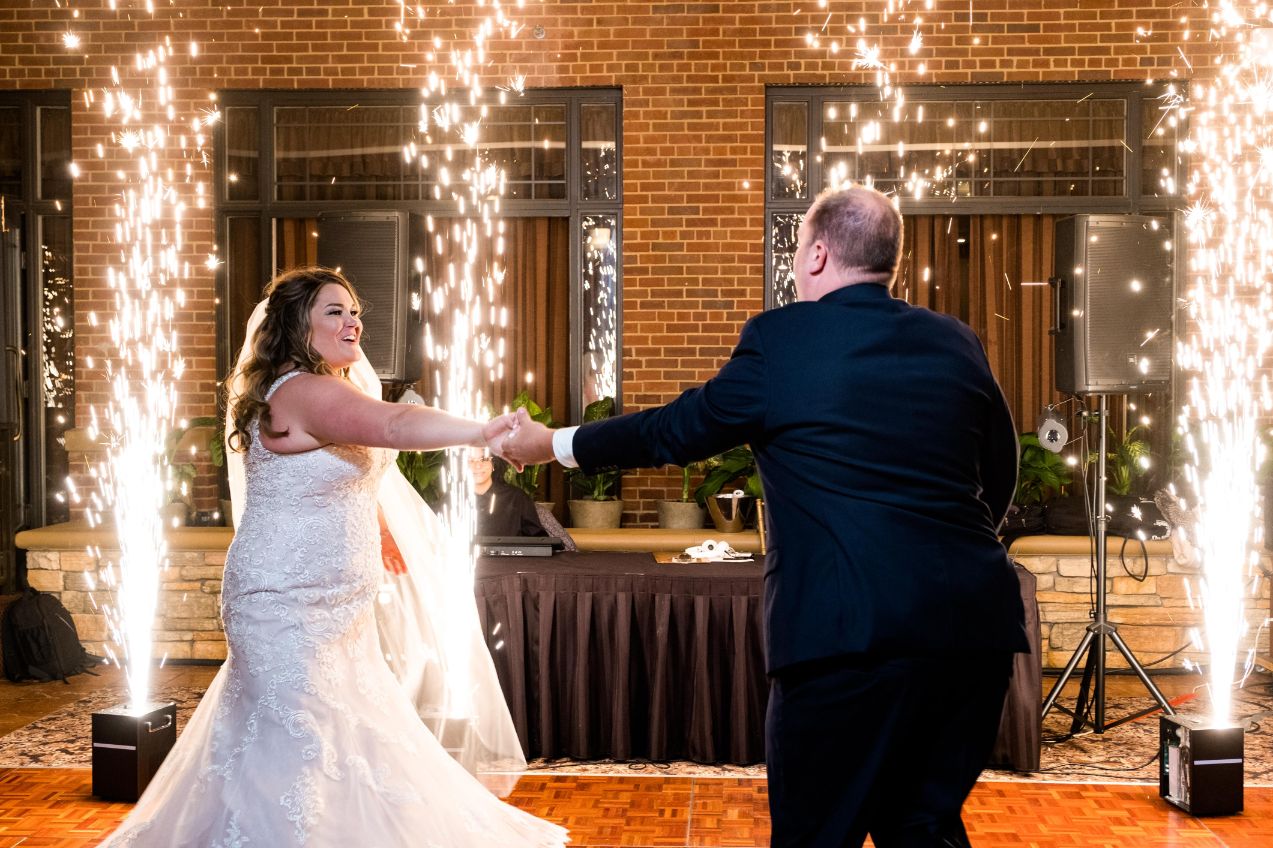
1069 670
1094 639
1140 671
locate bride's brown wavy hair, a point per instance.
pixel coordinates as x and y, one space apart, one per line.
282 340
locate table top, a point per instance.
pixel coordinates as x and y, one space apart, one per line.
608 563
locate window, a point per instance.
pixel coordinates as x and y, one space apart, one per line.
37 329
982 173
285 158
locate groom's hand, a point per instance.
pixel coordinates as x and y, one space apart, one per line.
528 443
494 432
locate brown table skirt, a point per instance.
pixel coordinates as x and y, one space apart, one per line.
616 656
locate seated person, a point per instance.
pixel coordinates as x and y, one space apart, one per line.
502 510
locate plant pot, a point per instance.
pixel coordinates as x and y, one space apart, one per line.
551 506
597 515
175 514
730 514
681 515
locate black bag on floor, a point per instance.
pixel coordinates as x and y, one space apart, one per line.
40 640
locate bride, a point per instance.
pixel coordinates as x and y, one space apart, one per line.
305 737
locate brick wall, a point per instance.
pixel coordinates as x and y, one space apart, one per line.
693 77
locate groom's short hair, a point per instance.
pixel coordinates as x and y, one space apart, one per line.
861 228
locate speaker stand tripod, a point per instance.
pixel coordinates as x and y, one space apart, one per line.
1101 628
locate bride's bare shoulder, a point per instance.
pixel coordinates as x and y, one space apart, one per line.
307 384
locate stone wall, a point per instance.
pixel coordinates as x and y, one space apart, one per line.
1154 614
188 623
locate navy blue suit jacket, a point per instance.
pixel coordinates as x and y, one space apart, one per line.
888 457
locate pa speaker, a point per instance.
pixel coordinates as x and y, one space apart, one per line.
374 251
1114 304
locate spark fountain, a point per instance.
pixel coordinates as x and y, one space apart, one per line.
462 281
1230 225
134 481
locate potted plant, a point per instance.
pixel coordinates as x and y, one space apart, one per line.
1041 474
596 506
727 473
181 473
423 470
686 513
1126 460
530 478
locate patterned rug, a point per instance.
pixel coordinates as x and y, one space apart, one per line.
63 739
1126 753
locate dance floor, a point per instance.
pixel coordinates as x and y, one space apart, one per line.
51 808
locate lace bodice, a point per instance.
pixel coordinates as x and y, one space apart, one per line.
305 513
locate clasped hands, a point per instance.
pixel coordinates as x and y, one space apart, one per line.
518 439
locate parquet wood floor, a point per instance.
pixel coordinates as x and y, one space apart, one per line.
51 808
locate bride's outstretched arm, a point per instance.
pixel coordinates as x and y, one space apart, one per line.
317 410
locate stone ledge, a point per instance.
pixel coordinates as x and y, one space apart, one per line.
1081 546
77 535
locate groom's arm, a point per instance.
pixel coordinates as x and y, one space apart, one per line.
726 411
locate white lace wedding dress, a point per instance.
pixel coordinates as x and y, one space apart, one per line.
305 737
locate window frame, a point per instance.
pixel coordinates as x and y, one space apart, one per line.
573 206
33 210
1132 201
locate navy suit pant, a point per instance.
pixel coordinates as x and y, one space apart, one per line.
889 747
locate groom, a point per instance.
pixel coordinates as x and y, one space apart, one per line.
888 458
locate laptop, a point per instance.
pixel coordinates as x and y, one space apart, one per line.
518 545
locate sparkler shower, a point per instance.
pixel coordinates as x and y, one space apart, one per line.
134 480
1225 347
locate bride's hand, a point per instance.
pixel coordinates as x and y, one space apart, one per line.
390 553
528 443
495 431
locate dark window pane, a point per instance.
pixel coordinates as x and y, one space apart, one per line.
392 153
243 276
57 361
11 151
342 152
1159 176
55 153
549 151
290 149
789 153
782 241
598 130
1009 148
243 152
507 140
600 250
